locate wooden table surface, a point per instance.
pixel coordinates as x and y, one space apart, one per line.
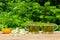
55 36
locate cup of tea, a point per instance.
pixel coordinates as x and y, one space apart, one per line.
33 28
49 28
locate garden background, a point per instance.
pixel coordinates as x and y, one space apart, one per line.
18 13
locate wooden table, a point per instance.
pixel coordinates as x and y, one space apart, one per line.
55 36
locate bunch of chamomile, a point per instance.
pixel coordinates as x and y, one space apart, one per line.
18 32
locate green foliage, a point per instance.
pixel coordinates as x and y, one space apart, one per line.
19 13
58 28
47 4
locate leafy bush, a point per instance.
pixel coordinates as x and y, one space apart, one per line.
19 13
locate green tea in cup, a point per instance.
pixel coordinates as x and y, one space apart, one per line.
33 28
49 28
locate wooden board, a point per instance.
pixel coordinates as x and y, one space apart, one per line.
40 36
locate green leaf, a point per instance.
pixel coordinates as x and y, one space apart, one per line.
47 4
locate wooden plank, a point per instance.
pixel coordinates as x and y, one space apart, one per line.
55 36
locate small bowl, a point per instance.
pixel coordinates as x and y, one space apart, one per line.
6 30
